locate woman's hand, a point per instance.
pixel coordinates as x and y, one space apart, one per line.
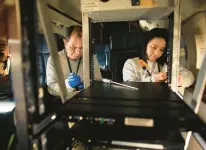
160 77
180 80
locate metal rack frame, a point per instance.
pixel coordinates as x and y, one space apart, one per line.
174 53
24 72
30 129
195 101
176 46
27 91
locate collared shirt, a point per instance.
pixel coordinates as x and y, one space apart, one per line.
52 82
132 71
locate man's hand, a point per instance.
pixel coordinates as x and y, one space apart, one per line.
160 77
74 80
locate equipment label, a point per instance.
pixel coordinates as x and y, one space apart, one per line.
90 5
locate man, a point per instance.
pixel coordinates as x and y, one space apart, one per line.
70 60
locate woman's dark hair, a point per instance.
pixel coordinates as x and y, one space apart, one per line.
155 33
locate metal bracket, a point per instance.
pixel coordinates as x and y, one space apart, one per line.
86 54
176 46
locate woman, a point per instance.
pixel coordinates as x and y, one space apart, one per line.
154 47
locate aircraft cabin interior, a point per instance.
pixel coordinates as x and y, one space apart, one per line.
116 99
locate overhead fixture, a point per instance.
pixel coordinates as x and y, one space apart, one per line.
57 24
104 0
54 22
61 26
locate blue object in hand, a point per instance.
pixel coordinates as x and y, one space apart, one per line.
74 80
81 86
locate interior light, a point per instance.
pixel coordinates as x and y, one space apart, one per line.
6 107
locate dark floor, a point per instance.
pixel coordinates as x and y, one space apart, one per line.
7 129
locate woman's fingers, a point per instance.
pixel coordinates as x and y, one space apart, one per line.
162 76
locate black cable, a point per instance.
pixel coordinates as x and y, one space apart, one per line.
144 68
11 139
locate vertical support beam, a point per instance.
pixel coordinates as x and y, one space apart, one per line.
196 100
199 87
52 46
176 46
86 53
91 52
22 70
21 112
170 48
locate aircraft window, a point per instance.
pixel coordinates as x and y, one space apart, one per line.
102 54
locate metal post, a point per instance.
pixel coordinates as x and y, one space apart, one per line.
86 54
199 87
176 46
23 67
196 99
170 48
21 111
91 51
51 43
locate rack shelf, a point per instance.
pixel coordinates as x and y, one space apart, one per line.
122 10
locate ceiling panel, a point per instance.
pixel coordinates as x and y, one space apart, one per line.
72 7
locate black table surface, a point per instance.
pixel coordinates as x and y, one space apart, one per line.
151 100
147 92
